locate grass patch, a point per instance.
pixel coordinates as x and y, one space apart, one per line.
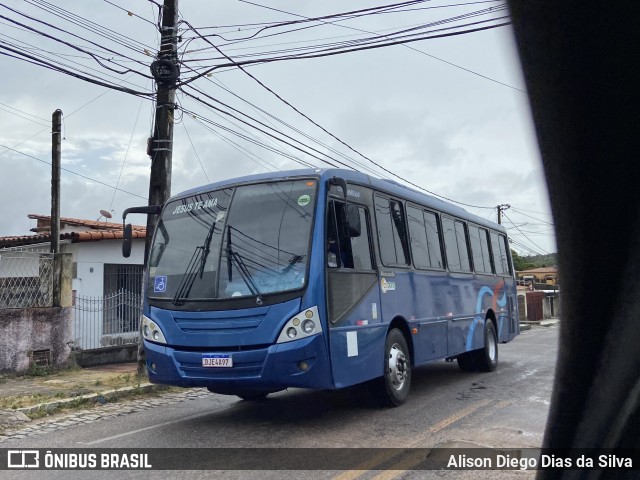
22 401
84 403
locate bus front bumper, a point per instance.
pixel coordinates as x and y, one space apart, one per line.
299 363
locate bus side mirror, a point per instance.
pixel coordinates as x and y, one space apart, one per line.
127 240
127 230
352 214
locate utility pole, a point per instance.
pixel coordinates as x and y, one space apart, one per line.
501 208
166 72
56 153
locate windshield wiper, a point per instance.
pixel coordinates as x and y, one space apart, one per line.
236 259
194 268
292 262
188 277
206 248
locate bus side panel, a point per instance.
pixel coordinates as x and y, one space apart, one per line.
357 342
357 354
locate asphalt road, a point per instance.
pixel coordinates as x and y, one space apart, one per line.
447 407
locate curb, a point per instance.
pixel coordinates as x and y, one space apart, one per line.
97 397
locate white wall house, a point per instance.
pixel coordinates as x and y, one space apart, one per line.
106 286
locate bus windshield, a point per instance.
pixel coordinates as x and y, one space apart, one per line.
249 240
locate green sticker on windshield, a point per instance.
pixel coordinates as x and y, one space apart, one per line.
303 200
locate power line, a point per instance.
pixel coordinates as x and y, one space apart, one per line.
298 131
517 210
130 13
405 45
89 25
196 152
252 156
22 116
51 66
97 58
266 133
124 160
344 51
264 125
528 239
326 131
72 172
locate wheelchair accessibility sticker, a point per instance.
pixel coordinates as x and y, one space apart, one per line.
160 284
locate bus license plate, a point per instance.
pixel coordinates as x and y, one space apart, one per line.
217 361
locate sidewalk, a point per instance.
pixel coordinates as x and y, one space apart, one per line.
24 397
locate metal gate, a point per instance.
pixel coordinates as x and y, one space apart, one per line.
106 321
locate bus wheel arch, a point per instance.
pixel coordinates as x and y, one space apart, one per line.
491 315
402 325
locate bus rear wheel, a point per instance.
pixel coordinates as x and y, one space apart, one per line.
466 362
486 359
392 389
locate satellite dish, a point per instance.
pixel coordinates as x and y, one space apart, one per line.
105 214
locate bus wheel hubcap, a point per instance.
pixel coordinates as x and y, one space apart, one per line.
492 347
397 367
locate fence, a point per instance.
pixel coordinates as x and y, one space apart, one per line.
106 321
26 279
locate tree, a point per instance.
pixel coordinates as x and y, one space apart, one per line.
520 263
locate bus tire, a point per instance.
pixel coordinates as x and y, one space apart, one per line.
486 359
466 362
393 388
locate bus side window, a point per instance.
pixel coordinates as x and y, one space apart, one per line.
499 254
392 233
347 247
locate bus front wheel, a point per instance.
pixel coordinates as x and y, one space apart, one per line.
393 388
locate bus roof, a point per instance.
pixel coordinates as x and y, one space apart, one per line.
386 185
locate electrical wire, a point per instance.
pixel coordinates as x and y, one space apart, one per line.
196 152
517 210
525 236
124 160
332 135
72 172
422 52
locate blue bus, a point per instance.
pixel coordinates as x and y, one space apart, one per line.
320 279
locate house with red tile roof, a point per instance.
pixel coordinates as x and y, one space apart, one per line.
102 277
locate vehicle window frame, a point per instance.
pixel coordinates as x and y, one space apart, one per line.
407 253
423 210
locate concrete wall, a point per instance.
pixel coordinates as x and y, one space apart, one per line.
46 330
24 330
106 356
551 305
90 258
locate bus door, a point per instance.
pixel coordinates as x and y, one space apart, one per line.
353 297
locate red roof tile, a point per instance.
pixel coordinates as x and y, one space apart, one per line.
96 231
79 222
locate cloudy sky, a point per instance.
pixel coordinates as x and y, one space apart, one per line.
449 114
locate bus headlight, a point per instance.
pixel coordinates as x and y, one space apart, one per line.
151 331
302 325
